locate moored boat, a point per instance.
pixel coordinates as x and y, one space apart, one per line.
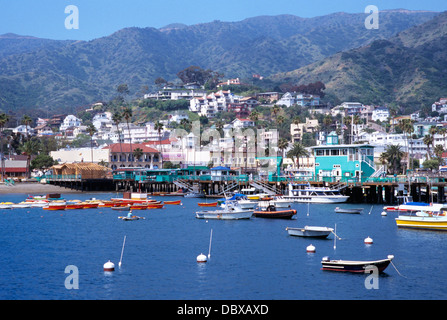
207 204
71 206
355 266
310 231
55 206
307 193
151 205
176 202
430 217
90 205
232 211
6 205
139 206
273 213
348 210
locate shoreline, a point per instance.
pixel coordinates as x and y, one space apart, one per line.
35 188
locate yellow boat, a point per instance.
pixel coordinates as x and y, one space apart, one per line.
431 217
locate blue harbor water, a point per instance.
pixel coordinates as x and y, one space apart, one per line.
250 259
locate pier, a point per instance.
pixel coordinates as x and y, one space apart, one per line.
373 190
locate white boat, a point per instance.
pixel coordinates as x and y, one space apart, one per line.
348 210
277 202
247 204
232 211
419 216
310 231
6 205
307 193
253 193
21 205
194 195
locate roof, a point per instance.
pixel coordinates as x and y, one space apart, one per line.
125 147
342 146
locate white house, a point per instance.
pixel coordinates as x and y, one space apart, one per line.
22 129
286 100
381 114
102 120
70 121
242 123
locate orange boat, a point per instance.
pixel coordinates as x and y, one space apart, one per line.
173 202
139 206
155 206
106 204
54 207
90 205
207 204
74 206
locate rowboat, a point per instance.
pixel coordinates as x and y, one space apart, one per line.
232 211
21 205
121 208
273 213
207 204
310 231
355 266
55 206
155 205
131 218
176 202
345 210
138 206
74 206
106 204
90 205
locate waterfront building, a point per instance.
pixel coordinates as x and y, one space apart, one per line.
337 162
122 155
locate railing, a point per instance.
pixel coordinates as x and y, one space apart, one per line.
63 177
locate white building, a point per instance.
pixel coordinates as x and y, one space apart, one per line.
102 120
300 99
381 114
215 102
22 129
70 121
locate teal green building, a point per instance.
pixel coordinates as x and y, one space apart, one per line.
342 162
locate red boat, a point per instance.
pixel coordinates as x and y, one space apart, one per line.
54 207
74 206
176 202
139 206
90 205
207 204
155 206
271 212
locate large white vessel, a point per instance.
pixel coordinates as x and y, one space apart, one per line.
307 193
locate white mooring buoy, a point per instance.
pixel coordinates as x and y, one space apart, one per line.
368 240
202 258
383 213
310 248
109 266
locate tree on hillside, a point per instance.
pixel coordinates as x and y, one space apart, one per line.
26 120
91 130
195 74
116 118
159 127
127 114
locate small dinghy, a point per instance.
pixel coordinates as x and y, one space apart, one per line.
354 210
272 213
310 231
355 266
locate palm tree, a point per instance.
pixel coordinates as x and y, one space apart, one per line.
116 118
406 125
29 148
297 151
159 126
394 154
127 114
4 118
137 153
282 145
91 129
26 120
428 141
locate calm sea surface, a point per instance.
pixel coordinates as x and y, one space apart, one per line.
250 259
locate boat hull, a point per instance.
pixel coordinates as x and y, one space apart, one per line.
204 204
354 266
317 199
281 214
354 211
310 232
176 202
428 223
219 215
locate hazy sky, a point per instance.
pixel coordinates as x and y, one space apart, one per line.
98 18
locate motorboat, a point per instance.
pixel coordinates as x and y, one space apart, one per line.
22 204
194 195
310 231
271 212
348 210
430 217
232 211
355 266
6 205
307 193
55 206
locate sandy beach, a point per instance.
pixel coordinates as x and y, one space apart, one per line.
34 188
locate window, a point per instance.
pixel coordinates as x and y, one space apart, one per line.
335 152
320 152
